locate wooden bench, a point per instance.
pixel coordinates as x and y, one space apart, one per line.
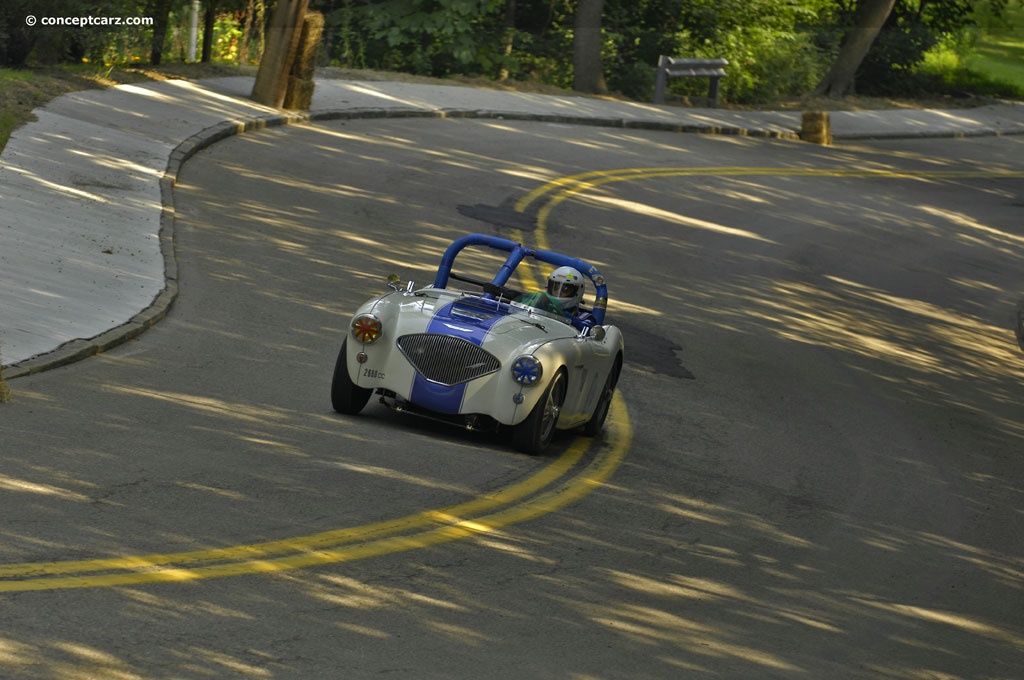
671 67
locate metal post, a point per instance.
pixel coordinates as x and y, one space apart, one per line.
659 83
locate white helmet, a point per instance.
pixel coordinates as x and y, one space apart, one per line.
566 285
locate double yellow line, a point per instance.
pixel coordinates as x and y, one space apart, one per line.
560 483
555 192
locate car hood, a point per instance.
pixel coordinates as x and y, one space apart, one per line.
476 320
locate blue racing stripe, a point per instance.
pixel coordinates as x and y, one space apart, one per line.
440 398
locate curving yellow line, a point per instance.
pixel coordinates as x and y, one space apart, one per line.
556 191
346 545
314 542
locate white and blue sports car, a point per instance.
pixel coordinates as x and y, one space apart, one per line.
494 357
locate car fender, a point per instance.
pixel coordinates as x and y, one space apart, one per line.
380 364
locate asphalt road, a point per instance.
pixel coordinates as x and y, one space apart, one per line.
813 469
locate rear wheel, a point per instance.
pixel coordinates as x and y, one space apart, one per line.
535 433
346 396
596 422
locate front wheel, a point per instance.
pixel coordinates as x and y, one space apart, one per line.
346 396
535 433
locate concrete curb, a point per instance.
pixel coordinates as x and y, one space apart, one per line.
79 349
951 134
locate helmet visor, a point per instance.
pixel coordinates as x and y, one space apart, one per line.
563 289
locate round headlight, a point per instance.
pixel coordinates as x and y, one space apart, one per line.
527 370
366 328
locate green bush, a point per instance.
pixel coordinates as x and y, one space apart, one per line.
763 66
634 80
770 65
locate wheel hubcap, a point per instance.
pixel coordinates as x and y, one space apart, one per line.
552 408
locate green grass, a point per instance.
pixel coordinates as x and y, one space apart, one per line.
9 115
7 124
991 66
1001 60
999 52
8 74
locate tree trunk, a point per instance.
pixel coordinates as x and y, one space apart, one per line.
209 19
871 16
282 42
510 30
243 42
299 93
588 72
17 38
160 12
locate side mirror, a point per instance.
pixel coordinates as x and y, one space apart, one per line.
392 282
598 333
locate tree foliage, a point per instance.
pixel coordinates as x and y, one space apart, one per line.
913 28
775 48
20 41
428 37
163 35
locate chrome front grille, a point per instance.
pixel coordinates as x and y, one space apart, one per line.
445 359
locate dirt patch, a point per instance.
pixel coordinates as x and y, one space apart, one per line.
24 90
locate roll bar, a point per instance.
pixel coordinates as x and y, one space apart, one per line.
517 253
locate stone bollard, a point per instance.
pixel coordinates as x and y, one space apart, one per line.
815 128
299 95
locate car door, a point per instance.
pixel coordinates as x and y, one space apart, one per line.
588 361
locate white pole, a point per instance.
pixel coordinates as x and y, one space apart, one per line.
193 31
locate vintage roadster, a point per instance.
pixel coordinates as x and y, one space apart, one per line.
491 357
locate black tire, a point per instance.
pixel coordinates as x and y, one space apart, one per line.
596 422
534 434
346 396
